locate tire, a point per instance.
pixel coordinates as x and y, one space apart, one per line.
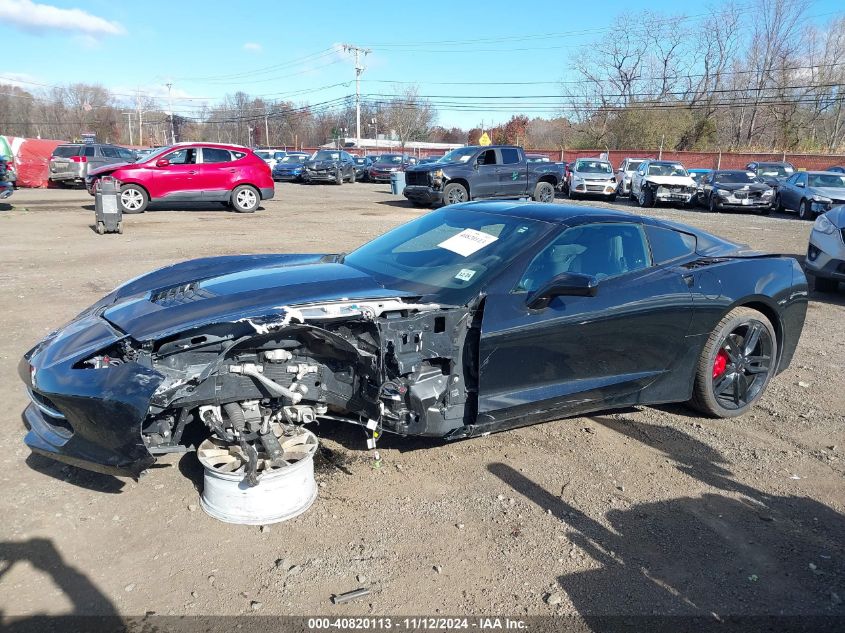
101 228
245 199
778 205
352 177
736 364
544 192
133 199
805 212
454 193
571 194
823 284
120 228
338 178
646 198
712 205
611 198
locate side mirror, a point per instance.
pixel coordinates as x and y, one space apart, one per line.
799 184
564 285
162 162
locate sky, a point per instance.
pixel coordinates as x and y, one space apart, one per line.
284 50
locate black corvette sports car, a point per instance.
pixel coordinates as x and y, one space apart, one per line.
474 318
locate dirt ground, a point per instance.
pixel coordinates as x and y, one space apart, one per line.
641 511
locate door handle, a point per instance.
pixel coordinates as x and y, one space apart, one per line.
192 172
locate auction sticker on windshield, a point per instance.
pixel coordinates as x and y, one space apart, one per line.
467 242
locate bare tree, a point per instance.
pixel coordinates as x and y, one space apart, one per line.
409 116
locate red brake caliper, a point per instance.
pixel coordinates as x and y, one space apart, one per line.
720 363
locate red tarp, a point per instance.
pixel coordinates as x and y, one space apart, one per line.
32 159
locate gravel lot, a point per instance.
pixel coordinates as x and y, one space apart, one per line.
642 511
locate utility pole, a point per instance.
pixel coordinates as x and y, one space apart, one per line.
129 125
358 70
266 131
170 101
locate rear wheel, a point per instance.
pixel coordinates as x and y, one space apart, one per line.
133 199
245 199
454 193
736 364
544 192
352 176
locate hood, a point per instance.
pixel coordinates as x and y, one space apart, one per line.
321 164
672 180
837 216
290 165
106 169
247 293
834 193
742 186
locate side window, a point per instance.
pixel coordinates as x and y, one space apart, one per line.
109 152
487 158
643 167
668 245
88 151
184 156
802 179
600 250
792 179
126 154
215 155
238 155
510 155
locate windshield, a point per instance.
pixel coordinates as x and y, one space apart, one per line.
633 165
324 154
699 176
735 177
832 181
66 151
156 153
593 167
774 171
263 155
294 158
460 155
447 254
666 169
360 161
390 158
538 159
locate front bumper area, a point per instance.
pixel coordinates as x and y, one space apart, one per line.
422 194
730 202
90 418
673 197
319 176
826 255
287 176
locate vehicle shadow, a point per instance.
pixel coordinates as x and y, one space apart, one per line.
404 204
92 610
711 559
354 437
182 206
87 479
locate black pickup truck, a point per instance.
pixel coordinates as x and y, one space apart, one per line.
475 173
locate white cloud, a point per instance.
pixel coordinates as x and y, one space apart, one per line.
252 47
39 18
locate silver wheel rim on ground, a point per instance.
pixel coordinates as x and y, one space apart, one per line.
283 491
131 199
546 195
246 198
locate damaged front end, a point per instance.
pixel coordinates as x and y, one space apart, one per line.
390 365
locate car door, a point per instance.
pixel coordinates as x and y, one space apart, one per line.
793 190
582 351
176 175
216 174
513 173
637 179
486 181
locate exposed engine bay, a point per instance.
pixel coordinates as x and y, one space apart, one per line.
387 365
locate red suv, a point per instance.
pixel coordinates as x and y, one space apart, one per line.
191 172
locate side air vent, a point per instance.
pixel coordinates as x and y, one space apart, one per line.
177 295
